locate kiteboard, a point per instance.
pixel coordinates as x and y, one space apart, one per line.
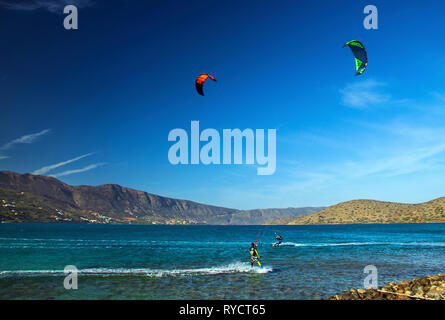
257 259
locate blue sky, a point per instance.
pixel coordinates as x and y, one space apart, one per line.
95 105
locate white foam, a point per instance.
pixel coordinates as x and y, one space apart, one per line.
433 244
237 267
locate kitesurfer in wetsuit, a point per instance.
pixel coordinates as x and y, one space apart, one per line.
279 238
253 253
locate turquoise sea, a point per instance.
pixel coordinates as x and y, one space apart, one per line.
210 262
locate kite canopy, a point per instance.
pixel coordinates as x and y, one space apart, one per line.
199 83
360 55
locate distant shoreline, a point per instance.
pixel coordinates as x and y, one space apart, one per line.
218 225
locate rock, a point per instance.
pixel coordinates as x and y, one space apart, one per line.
424 282
433 295
420 292
432 287
440 290
404 283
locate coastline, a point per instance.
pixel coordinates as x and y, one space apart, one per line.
420 288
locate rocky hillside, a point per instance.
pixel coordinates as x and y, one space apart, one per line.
370 211
123 204
26 207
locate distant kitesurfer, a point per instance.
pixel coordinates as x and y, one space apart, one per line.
279 238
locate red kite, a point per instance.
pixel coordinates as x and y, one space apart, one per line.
199 83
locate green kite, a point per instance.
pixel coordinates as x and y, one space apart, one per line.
360 55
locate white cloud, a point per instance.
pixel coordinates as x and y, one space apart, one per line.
364 94
69 172
60 164
26 139
400 149
54 6
383 154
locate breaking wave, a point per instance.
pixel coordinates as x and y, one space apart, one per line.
237 267
346 244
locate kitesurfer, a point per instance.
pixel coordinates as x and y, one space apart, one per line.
254 257
279 238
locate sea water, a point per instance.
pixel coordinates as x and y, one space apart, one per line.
210 262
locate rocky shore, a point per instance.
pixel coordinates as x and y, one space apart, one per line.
422 288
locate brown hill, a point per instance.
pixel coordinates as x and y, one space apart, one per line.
371 211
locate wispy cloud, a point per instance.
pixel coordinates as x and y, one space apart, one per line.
69 172
54 6
401 149
406 161
364 94
46 169
26 139
384 162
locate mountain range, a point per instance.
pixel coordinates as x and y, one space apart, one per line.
35 198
